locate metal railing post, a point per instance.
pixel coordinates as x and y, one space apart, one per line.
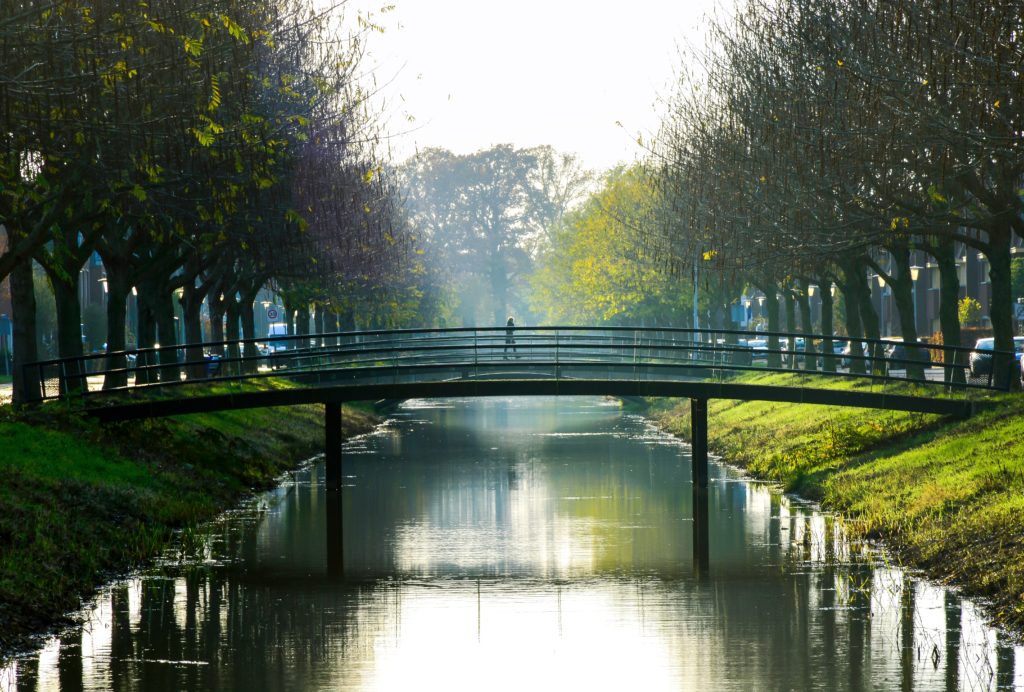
558 365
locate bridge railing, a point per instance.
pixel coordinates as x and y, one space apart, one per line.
523 352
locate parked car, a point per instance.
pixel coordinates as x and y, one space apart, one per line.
212 361
901 355
759 348
854 349
850 350
980 361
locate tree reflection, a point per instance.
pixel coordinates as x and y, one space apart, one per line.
564 546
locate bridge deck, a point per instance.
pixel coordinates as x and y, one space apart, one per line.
540 361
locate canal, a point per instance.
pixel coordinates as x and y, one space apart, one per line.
522 544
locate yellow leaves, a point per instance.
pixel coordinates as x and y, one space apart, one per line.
996 104
202 136
368 176
158 27
839 62
763 179
709 255
208 134
214 94
236 31
899 222
193 46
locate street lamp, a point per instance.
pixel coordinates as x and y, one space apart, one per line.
915 272
811 290
881 302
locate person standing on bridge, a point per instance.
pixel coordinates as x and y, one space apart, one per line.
510 329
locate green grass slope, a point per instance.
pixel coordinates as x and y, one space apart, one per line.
947 495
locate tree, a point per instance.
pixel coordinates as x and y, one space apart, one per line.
481 216
600 270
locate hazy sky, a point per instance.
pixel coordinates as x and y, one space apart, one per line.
473 73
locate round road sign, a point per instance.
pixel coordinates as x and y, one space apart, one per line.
271 313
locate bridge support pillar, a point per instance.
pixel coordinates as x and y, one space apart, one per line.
332 445
699 473
335 536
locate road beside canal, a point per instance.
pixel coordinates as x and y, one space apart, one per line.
81 503
947 496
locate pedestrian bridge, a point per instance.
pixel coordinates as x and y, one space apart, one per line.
331 369
615 361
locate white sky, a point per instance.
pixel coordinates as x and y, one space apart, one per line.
473 73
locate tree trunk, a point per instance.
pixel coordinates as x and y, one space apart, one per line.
170 356
247 312
1000 309
949 316
771 304
791 329
347 320
231 333
903 294
69 330
117 312
332 323
145 371
828 361
869 319
318 325
499 290
806 325
191 314
290 311
26 382
856 284
215 301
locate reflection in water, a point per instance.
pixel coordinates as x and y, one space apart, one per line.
528 543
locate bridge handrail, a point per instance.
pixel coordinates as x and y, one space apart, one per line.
658 347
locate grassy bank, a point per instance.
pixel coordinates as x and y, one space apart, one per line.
80 502
947 496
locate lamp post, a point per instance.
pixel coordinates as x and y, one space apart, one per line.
812 290
881 304
915 273
265 318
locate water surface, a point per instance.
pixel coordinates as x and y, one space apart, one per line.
523 544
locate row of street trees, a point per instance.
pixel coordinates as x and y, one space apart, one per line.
830 139
204 149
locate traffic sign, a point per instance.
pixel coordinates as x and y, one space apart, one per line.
272 313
